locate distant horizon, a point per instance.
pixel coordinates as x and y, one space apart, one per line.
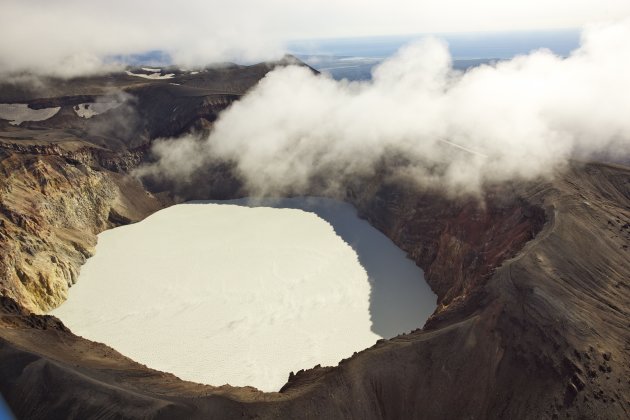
505 44
462 45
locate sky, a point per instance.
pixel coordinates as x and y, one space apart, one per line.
70 37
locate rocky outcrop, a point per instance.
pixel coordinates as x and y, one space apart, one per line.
52 206
458 241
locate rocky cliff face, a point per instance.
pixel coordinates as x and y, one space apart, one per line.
52 206
459 242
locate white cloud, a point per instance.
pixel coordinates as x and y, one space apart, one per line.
521 118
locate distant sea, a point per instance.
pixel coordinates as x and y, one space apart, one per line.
354 58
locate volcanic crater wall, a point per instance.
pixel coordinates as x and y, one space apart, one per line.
532 281
499 342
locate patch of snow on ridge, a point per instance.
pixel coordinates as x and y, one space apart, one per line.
150 69
225 293
152 76
18 113
89 109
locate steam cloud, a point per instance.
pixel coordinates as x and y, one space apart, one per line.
516 119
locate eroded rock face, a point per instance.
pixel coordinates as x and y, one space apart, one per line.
458 241
51 209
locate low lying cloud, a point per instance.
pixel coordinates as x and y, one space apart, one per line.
68 38
516 119
112 116
75 37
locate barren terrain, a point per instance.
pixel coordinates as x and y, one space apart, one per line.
532 278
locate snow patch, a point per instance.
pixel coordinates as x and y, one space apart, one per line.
18 113
89 109
152 76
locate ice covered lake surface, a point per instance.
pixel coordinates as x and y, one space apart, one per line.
244 292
